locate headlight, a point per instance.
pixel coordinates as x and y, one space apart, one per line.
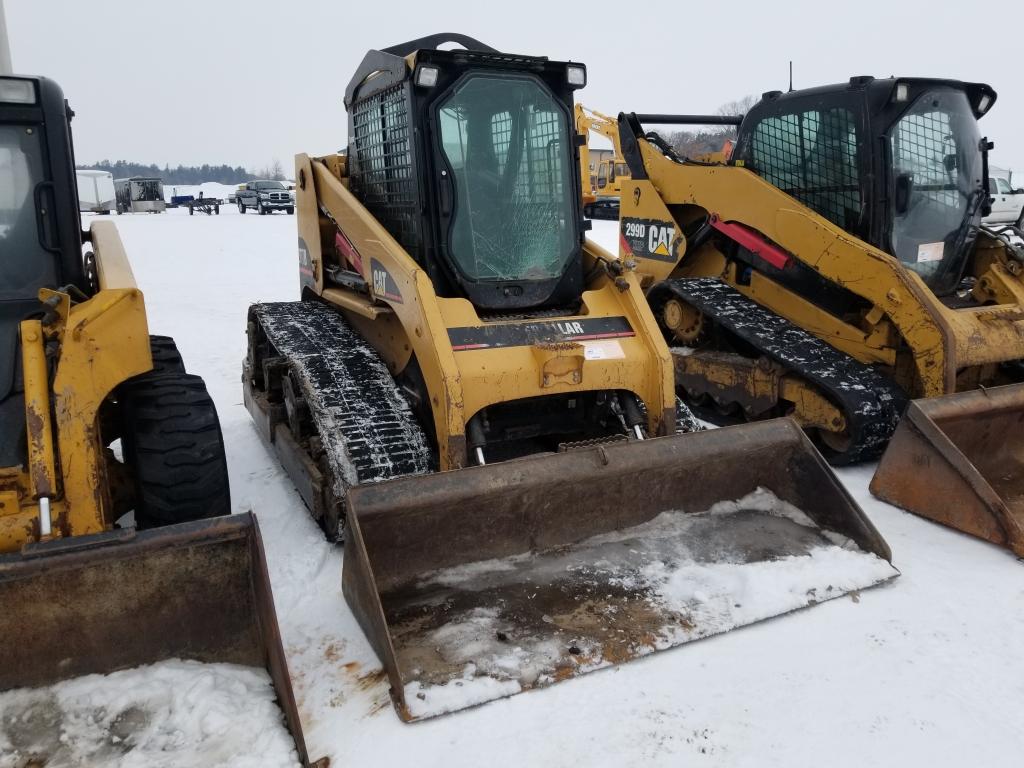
16 91
576 75
426 77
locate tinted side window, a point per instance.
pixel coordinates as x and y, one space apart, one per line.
812 156
24 264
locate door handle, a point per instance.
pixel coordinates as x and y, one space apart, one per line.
38 199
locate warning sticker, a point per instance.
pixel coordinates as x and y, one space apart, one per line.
603 350
930 251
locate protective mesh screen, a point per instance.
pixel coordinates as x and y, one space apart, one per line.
382 173
813 157
921 144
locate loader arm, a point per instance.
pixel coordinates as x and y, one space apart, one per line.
668 193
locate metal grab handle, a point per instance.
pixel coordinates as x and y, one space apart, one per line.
435 41
37 200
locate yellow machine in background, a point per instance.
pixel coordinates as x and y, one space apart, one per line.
601 180
467 377
835 267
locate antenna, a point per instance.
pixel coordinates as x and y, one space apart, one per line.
790 75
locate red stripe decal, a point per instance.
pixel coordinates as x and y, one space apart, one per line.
752 241
461 347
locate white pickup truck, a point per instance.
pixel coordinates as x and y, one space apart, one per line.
1007 201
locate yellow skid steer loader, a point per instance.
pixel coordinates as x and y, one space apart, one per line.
80 376
837 267
480 402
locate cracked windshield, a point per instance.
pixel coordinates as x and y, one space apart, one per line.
503 140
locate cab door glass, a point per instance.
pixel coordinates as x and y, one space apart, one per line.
934 146
25 265
504 141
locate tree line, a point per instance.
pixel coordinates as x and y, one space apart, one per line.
711 139
187 174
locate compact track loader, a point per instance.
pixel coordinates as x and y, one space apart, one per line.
480 402
80 376
835 268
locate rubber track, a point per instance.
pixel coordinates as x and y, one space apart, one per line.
365 424
871 402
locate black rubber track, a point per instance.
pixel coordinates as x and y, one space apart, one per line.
871 402
365 424
174 450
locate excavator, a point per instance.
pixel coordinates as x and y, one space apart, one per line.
117 547
833 270
479 402
602 183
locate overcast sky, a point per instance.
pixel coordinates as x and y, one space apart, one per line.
249 81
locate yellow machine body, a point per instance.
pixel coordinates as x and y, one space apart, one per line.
100 343
462 381
930 348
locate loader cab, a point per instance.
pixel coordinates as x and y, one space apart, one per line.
899 163
469 159
40 231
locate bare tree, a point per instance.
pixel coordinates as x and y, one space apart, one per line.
274 171
739 106
713 138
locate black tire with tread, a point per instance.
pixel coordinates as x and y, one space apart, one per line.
174 449
166 357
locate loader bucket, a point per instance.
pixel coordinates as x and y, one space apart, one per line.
102 603
480 583
959 460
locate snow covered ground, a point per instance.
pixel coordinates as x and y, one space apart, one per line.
924 670
171 714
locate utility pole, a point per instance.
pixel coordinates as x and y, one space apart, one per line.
5 47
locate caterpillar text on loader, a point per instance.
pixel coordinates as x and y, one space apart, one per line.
484 400
835 268
79 371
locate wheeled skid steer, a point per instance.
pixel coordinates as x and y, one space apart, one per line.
99 419
481 403
836 268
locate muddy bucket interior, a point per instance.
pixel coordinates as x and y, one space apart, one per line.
959 460
480 583
98 604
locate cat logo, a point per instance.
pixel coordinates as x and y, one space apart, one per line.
648 238
384 286
659 239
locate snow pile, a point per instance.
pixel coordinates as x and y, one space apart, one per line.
525 621
174 713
